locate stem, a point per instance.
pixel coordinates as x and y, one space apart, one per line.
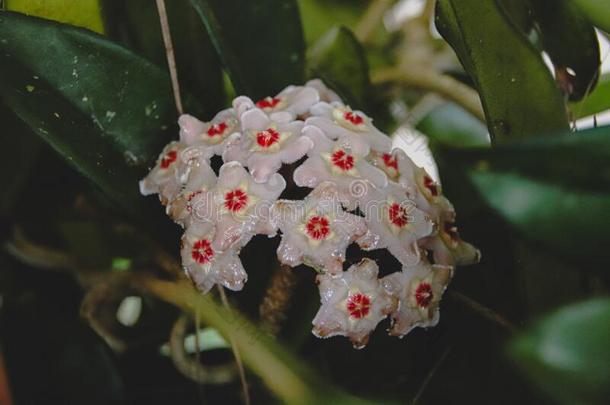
238 361
169 52
483 311
277 299
428 378
369 22
39 256
430 80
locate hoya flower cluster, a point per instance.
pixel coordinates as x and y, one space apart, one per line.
363 192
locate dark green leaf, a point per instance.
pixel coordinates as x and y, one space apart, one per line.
104 109
567 353
517 90
451 125
595 102
553 190
597 11
136 23
339 59
259 42
571 42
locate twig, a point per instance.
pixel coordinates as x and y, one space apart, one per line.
369 22
483 311
240 364
192 368
35 255
169 52
428 378
277 299
430 80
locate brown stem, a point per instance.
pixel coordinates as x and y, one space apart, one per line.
483 311
277 299
169 52
371 19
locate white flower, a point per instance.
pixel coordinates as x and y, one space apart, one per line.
419 290
168 175
394 223
290 103
326 94
237 205
207 139
337 162
353 303
448 248
340 122
264 145
206 264
316 231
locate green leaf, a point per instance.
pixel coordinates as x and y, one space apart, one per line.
567 353
101 107
552 190
82 13
571 42
259 42
597 11
451 125
136 24
595 102
319 16
339 59
518 93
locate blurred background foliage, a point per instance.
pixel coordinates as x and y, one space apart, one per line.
512 99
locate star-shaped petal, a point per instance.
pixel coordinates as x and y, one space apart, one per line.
167 177
353 303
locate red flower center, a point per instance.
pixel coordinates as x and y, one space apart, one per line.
358 305
217 129
318 227
267 137
169 158
352 117
424 295
390 161
202 251
342 160
398 215
268 102
236 200
431 186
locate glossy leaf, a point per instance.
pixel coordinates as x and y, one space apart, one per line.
518 93
552 190
571 43
595 102
135 23
339 59
597 11
101 107
260 43
567 353
451 125
82 13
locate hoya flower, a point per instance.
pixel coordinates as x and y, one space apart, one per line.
201 178
206 264
353 303
290 103
337 162
237 205
326 94
316 231
167 177
395 223
340 122
448 248
419 289
207 139
264 145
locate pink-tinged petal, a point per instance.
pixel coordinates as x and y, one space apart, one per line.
190 128
418 289
254 119
200 179
325 93
242 104
316 231
165 178
352 304
206 266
